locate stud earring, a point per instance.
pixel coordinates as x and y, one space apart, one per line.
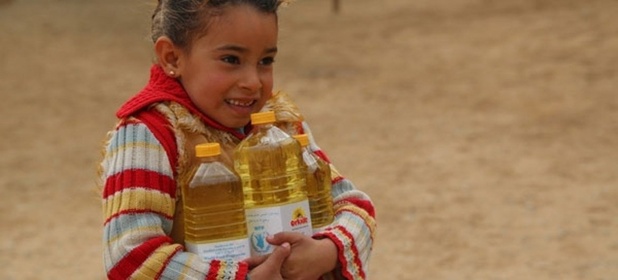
172 73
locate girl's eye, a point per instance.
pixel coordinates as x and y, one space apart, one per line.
267 61
231 59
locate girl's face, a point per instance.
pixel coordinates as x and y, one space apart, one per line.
228 72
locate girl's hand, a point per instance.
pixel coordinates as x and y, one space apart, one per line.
269 267
310 258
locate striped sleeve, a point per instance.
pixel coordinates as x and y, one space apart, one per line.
139 198
354 227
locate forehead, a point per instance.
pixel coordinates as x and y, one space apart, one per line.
241 24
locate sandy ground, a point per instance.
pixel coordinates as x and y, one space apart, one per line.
485 131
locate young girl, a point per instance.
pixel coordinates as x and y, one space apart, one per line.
214 69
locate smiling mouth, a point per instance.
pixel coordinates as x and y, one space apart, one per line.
240 103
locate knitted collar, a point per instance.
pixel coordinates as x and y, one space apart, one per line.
162 88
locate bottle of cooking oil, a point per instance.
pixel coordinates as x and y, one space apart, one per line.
215 222
270 165
319 185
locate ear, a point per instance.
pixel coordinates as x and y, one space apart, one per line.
167 55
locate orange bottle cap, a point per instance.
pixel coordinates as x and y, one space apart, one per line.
263 117
207 150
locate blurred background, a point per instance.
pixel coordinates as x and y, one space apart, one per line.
486 132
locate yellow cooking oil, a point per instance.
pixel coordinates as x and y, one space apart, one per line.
215 223
270 165
319 186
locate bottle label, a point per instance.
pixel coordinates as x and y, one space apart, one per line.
265 221
236 250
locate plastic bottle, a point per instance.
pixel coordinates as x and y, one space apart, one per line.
215 222
270 165
319 186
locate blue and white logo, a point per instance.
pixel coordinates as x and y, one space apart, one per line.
258 240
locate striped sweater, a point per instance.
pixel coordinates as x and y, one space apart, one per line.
142 169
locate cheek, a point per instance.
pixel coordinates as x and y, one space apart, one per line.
266 73
220 80
214 87
266 95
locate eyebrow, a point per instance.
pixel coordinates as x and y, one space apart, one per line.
242 49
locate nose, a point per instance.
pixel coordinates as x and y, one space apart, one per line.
250 80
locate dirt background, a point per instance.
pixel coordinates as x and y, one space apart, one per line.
486 132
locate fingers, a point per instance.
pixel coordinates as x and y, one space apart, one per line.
277 257
281 237
255 261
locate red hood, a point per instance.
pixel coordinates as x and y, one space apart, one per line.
163 88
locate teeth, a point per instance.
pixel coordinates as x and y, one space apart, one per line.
235 102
